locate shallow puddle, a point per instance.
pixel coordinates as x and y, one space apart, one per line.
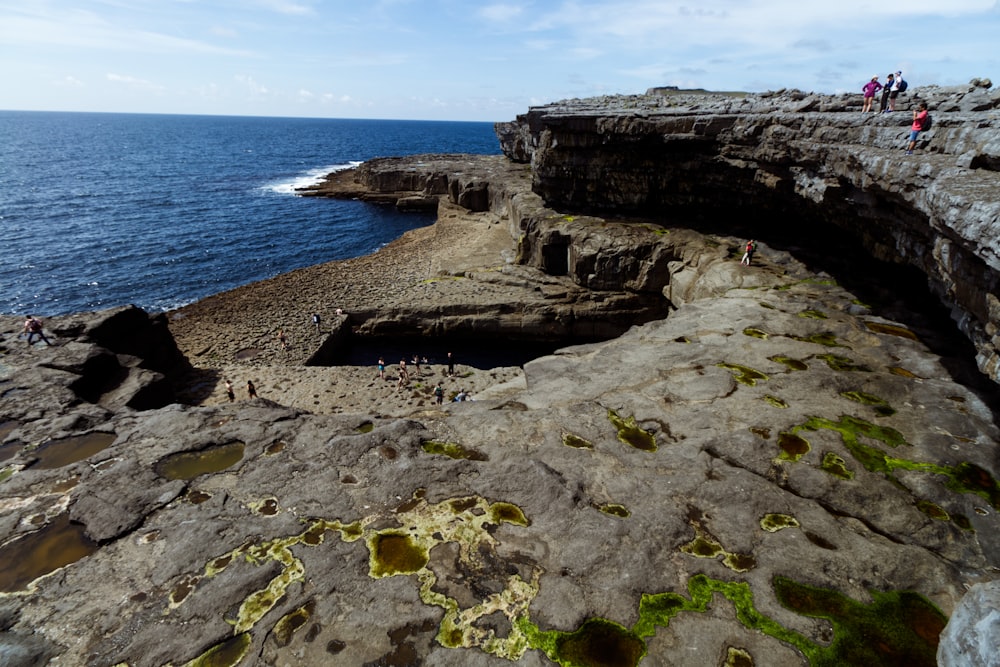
25 559
9 449
188 465
59 453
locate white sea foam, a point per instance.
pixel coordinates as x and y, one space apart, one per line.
311 177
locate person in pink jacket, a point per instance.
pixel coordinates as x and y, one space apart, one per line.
870 90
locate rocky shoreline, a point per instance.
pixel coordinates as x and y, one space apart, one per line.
733 465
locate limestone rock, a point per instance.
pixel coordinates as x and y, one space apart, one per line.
972 635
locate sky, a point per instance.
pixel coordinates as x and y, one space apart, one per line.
470 60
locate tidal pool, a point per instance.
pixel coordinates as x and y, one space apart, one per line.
188 465
62 452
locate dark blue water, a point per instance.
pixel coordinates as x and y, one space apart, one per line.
101 210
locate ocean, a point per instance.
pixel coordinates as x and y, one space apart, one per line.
100 209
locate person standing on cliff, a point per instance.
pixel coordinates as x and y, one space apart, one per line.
451 365
381 368
439 393
33 327
316 320
251 390
919 120
886 90
283 339
894 91
748 255
230 394
869 90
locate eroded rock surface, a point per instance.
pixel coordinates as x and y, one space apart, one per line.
746 465
773 437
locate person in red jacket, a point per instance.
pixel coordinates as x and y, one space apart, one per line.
919 119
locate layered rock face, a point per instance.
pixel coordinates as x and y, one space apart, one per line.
776 164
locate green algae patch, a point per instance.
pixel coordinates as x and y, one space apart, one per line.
901 372
264 507
835 465
631 433
882 407
737 657
404 550
793 447
744 374
572 440
824 338
598 642
508 513
704 545
365 427
6 473
965 477
772 523
615 509
962 522
775 401
969 478
813 315
395 553
452 450
755 333
897 628
891 329
838 363
227 654
933 510
291 623
792 364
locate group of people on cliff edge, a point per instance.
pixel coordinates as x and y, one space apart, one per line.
894 85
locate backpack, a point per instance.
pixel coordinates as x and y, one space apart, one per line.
927 124
902 85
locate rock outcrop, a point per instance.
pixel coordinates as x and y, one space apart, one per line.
746 465
781 163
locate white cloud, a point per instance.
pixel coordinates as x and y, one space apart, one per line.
135 83
286 7
501 13
69 81
256 89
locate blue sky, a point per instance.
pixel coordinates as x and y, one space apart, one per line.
466 59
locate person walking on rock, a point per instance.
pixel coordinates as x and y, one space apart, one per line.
439 393
748 255
404 377
316 321
381 368
283 339
251 390
869 90
230 394
919 121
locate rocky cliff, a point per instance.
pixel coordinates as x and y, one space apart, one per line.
786 463
791 166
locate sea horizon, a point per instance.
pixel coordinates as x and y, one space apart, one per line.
104 209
